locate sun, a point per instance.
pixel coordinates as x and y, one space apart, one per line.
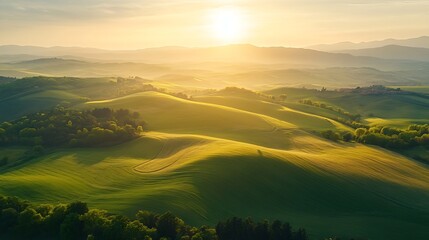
227 25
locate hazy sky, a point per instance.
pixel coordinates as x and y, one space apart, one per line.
131 24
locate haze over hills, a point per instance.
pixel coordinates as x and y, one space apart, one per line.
419 42
78 68
243 53
218 67
392 52
211 75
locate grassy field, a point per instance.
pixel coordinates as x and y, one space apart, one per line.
395 122
205 179
16 106
169 114
220 156
299 118
385 106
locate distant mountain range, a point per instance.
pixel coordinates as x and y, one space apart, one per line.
420 42
211 75
244 53
393 52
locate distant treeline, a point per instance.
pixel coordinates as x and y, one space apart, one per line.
352 117
374 90
349 119
65 127
387 137
23 220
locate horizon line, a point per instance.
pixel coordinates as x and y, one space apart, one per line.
208 46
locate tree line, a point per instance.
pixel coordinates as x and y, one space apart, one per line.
349 119
349 116
394 138
66 127
238 228
384 136
75 221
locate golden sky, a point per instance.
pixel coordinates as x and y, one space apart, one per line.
133 24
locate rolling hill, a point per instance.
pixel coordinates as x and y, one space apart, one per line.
220 75
203 118
301 119
40 100
405 105
317 78
228 154
59 67
205 179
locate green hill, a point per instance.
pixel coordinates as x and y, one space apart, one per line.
174 115
302 119
205 179
402 105
224 155
12 108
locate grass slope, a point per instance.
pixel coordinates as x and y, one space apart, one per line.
206 162
169 114
33 101
373 193
301 119
395 122
395 106
386 106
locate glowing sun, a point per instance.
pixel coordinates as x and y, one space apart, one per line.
227 24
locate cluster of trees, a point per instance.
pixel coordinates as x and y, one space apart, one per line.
65 127
374 89
127 86
282 97
177 94
237 228
22 220
384 136
335 136
237 91
350 116
394 138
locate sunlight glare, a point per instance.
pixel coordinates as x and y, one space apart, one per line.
227 25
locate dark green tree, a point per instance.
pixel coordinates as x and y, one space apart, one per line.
169 225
